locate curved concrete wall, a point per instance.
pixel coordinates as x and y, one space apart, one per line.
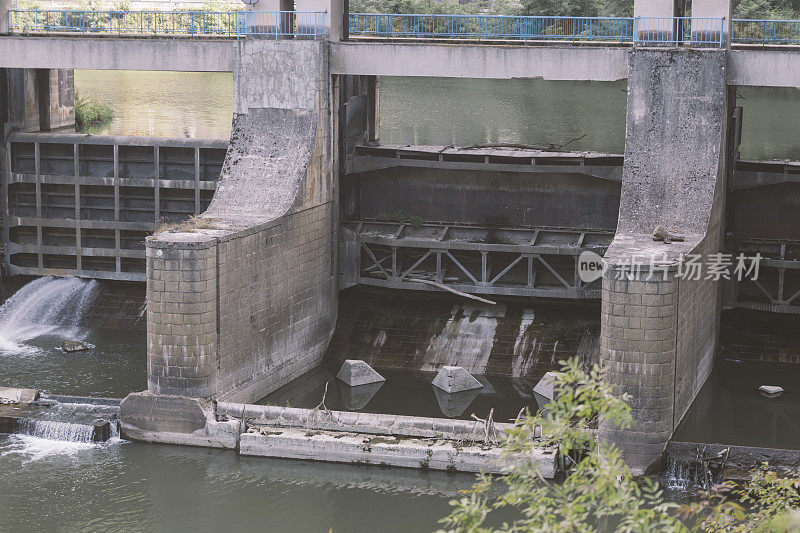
244 300
659 333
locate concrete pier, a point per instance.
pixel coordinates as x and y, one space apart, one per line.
659 332
245 301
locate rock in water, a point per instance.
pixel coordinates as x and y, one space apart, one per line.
355 372
74 346
455 379
770 391
101 430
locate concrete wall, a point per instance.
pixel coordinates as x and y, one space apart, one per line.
62 98
248 301
659 335
410 331
38 99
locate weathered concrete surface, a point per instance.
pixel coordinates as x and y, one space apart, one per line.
175 420
368 423
764 68
659 334
433 454
479 61
16 395
244 306
113 53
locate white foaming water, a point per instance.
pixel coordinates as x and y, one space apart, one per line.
34 448
45 306
55 430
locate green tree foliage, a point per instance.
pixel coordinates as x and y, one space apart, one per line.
599 493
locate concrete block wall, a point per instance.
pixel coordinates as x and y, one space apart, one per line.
260 271
276 303
182 355
659 332
637 346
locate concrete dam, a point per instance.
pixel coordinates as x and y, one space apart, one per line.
269 261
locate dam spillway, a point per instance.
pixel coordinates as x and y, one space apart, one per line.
261 294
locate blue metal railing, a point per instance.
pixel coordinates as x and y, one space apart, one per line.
308 24
488 27
765 32
674 31
648 31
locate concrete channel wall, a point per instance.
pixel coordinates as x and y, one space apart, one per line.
245 300
82 205
659 332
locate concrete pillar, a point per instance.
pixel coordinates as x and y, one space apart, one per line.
334 17
182 316
650 28
659 332
715 9
262 18
5 5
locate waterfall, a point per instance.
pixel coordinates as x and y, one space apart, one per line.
687 475
45 306
53 430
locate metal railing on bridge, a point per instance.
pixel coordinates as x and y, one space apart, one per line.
645 31
766 32
277 24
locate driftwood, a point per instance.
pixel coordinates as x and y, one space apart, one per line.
450 289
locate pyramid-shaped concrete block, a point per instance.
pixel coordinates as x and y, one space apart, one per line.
455 379
545 389
355 372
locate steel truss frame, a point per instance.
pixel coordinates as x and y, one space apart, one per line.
532 262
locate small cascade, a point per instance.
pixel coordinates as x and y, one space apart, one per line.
701 471
45 306
54 430
685 475
466 340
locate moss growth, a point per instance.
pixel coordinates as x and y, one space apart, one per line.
195 222
403 217
89 113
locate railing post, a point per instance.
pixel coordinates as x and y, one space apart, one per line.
635 30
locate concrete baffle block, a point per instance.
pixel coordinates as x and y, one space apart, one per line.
355 372
545 389
455 379
10 395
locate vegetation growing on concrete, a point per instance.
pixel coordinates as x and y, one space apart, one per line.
599 493
195 222
403 217
89 113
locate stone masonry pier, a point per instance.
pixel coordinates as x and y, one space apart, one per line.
659 332
243 299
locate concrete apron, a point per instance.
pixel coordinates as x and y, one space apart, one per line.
321 435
